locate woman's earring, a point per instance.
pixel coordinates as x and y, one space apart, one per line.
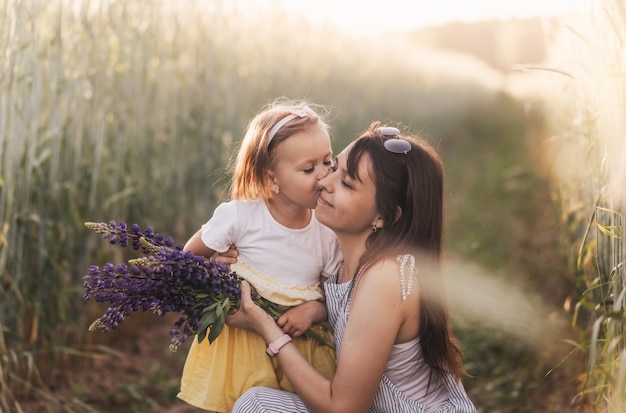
277 190
374 228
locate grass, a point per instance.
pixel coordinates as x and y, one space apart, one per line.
130 110
508 285
587 117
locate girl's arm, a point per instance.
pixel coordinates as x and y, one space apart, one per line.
197 246
376 315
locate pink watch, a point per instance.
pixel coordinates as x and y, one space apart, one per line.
273 348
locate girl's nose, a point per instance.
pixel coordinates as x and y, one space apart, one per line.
325 181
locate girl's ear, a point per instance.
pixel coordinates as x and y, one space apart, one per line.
270 181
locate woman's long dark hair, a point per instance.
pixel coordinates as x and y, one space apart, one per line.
412 181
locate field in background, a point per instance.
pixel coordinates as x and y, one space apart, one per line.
131 110
587 162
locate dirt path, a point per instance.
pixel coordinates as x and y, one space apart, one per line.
131 371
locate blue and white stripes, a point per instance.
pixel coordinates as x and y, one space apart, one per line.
388 398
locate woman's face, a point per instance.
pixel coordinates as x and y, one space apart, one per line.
347 205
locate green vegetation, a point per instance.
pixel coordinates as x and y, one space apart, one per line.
131 110
588 117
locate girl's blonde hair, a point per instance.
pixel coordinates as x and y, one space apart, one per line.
258 146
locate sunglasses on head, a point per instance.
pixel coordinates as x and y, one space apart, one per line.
397 144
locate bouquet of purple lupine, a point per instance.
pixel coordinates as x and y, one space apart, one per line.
167 280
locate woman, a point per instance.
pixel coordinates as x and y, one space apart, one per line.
395 350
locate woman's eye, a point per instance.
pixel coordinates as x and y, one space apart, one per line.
309 170
331 164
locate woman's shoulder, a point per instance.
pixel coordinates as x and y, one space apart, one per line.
381 283
393 274
395 263
378 274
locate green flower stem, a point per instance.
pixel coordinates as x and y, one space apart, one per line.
276 311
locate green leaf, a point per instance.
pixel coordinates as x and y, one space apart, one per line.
612 211
206 321
201 335
211 307
610 230
217 326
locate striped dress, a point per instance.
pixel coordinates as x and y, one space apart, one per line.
388 399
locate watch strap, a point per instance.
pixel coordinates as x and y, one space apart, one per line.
273 348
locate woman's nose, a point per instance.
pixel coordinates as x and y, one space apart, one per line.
323 172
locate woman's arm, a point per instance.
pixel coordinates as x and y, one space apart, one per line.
376 315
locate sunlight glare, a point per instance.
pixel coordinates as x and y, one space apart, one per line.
399 15
478 297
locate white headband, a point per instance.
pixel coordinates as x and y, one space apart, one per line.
293 114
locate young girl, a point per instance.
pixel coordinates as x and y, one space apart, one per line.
395 349
283 251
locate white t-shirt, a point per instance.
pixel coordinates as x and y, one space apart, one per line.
291 256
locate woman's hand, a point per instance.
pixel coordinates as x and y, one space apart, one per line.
229 257
251 317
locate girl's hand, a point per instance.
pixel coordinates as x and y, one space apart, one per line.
297 320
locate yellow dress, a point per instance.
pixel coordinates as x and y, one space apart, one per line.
216 374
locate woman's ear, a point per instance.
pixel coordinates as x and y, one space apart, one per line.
398 214
378 223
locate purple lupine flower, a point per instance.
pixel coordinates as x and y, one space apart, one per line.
166 280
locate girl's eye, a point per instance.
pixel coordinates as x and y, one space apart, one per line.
309 170
345 183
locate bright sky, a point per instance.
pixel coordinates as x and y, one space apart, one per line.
361 16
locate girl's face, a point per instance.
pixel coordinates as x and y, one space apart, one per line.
347 205
300 161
